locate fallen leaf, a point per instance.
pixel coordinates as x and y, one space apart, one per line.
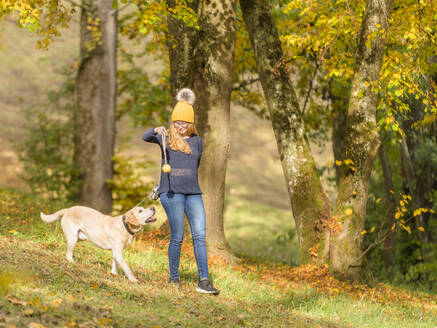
420 228
16 301
35 325
56 302
348 211
28 312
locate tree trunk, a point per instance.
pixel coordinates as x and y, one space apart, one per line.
180 45
417 198
339 105
212 63
309 202
96 100
361 145
389 243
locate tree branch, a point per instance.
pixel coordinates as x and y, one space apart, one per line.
311 86
244 84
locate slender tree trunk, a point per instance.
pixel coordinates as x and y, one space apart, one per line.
212 80
96 99
389 243
339 105
361 145
417 199
309 202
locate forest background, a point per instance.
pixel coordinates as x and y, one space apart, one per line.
38 97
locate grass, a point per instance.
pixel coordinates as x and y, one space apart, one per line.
259 231
38 286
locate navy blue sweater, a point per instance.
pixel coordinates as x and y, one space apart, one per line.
183 178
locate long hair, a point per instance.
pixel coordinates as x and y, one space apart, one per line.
177 142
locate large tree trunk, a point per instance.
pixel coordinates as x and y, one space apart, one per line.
180 43
361 145
389 242
212 81
96 99
309 202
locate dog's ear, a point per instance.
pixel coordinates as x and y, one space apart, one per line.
131 218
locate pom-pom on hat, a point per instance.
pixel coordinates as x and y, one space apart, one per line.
183 111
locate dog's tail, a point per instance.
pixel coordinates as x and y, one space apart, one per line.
49 218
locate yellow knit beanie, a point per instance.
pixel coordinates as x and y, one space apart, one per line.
183 111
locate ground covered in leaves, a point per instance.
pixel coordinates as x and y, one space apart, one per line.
39 288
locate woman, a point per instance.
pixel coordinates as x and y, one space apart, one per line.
179 189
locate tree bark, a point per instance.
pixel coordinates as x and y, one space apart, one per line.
180 43
309 202
417 198
212 62
96 100
339 105
361 145
389 242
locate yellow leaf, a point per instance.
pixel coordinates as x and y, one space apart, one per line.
348 161
28 312
35 325
408 229
431 211
393 227
401 203
56 302
95 285
392 192
373 229
378 200
338 163
420 228
417 212
397 215
363 232
354 193
348 211
12 231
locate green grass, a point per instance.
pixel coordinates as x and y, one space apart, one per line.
38 285
261 232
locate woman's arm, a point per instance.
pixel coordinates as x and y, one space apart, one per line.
151 136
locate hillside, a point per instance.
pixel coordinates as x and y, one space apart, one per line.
39 288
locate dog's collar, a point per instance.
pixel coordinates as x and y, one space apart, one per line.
123 219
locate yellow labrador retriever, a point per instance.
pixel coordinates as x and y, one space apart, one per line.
107 232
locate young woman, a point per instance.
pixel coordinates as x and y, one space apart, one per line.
179 189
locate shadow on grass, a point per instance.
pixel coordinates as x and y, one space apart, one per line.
91 296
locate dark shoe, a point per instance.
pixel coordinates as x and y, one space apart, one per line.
206 287
174 282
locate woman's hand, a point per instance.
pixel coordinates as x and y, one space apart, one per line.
160 130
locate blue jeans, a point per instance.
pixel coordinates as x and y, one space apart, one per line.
175 205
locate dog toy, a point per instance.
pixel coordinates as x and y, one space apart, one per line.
166 168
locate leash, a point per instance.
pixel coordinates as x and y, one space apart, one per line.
165 162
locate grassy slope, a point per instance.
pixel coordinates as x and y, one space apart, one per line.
40 286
